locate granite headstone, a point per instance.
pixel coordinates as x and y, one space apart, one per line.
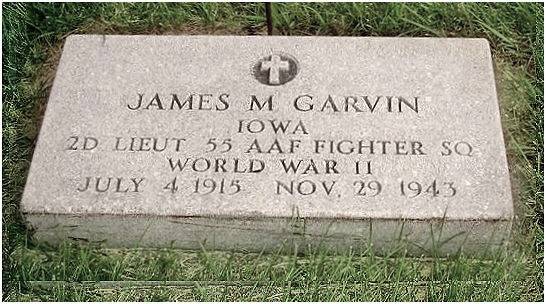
252 143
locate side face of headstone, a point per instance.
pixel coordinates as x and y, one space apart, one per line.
253 142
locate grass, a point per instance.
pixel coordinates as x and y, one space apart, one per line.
32 36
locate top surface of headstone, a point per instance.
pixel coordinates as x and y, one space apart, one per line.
380 128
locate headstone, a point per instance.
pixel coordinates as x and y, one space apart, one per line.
255 143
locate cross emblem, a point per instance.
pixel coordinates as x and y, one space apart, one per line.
275 66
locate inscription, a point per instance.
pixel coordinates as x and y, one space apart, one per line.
304 164
365 104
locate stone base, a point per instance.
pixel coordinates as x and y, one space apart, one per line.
386 237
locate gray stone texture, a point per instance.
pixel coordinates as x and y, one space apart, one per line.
99 76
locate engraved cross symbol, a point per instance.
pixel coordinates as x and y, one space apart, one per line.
275 65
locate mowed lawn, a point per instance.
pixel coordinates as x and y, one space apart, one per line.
32 39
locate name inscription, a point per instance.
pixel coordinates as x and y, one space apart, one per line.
301 103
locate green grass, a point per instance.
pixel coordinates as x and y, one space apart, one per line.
32 36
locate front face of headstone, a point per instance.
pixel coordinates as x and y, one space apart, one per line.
144 133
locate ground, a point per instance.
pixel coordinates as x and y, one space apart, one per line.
32 39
